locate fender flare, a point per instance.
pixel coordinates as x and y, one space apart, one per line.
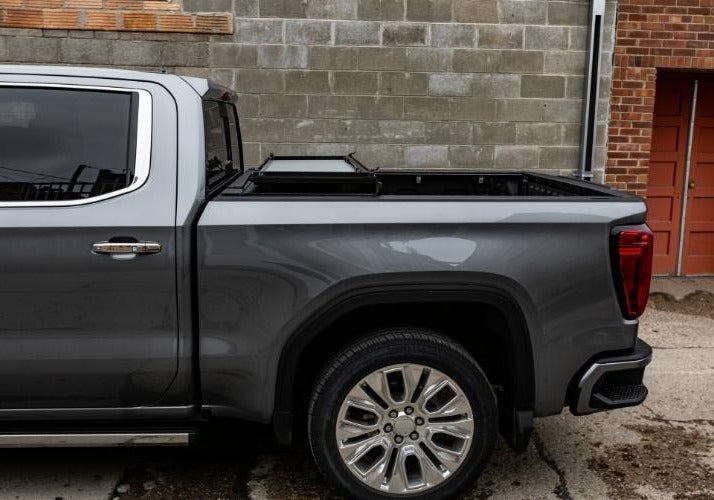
497 291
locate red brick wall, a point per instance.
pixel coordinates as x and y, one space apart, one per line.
651 35
115 15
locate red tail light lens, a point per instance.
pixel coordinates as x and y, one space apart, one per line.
634 252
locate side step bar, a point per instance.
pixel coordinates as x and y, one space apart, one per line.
94 440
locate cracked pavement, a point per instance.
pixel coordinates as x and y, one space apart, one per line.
663 449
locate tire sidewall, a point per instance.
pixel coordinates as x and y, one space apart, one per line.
458 365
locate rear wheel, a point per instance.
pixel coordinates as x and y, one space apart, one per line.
402 413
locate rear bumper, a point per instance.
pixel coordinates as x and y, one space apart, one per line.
612 381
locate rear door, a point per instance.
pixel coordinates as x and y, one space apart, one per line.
667 169
88 315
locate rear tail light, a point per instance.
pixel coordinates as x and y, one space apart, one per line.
634 259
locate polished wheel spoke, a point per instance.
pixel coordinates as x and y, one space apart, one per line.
404 428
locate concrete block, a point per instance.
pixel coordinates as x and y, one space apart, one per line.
394 83
565 62
233 55
516 157
257 31
283 106
332 57
263 129
193 71
574 87
381 155
426 108
450 84
500 37
562 110
423 59
78 33
429 10
565 157
404 34
521 61
84 51
522 12
490 85
476 61
568 13
476 11
207 5
245 8
331 9
308 130
578 37
308 32
357 131
138 53
382 58
546 37
223 77
473 109
307 82
282 56
471 156
539 133
494 133
542 86
266 149
380 10
380 108
571 134
283 9
248 105
339 149
448 133
430 156
251 154
519 110
403 132
357 33
259 81
453 35
358 107
354 82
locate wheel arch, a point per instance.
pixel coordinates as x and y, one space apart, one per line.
393 290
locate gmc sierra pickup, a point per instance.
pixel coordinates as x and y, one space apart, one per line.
151 285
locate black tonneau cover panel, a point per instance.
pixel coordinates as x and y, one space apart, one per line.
345 175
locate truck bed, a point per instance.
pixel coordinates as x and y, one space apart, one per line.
341 176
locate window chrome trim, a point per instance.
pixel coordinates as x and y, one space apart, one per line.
142 161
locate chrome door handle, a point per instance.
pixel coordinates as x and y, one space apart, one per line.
138 247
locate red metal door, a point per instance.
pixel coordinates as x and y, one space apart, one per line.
698 251
667 166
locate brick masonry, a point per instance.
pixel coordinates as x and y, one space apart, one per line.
116 15
404 83
652 35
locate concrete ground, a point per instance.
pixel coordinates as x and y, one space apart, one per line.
663 449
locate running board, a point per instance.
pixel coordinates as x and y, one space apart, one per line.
94 440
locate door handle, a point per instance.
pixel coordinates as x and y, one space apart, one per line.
131 248
692 184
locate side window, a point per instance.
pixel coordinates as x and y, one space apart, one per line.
223 146
65 144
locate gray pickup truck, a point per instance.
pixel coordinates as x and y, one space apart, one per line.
151 285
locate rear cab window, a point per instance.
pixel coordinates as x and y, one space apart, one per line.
223 143
68 144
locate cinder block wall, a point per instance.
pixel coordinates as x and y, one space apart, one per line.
404 83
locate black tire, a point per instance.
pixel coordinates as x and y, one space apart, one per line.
384 348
